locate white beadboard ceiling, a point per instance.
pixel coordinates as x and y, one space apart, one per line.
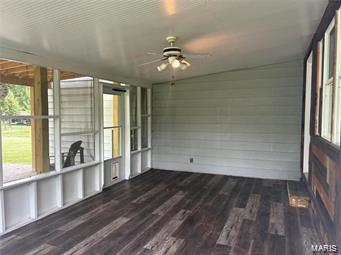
111 37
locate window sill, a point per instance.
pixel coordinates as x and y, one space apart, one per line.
331 149
333 145
112 159
141 150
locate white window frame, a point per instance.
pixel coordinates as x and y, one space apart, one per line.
94 131
318 87
336 129
120 119
55 119
138 118
139 121
148 117
327 82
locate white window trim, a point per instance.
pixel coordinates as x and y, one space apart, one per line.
318 87
147 116
58 135
337 112
29 117
94 131
108 91
113 127
326 81
33 117
85 132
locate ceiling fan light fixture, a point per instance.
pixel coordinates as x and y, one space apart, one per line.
173 56
162 67
171 59
176 63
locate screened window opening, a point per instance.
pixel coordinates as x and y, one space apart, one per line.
133 119
112 126
144 132
337 126
144 101
331 53
145 118
328 94
26 120
77 120
328 83
133 107
134 139
318 86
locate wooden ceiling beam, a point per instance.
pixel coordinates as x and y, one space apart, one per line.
3 61
65 75
19 71
10 64
13 79
5 67
23 74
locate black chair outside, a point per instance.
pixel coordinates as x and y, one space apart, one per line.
71 155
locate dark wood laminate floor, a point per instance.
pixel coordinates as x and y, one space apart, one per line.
166 212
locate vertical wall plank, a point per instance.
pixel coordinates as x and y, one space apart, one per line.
56 112
126 129
33 200
138 156
149 98
57 139
98 126
81 187
139 118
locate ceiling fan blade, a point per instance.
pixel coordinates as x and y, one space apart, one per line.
196 56
153 53
150 62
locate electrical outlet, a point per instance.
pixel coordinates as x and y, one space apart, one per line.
191 160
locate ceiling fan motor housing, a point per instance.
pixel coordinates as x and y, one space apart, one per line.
171 52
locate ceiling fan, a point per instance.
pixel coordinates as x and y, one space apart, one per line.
173 56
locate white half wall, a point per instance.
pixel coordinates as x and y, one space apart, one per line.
243 123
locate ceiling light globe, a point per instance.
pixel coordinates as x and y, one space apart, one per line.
171 59
176 63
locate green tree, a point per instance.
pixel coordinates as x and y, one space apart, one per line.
17 99
9 105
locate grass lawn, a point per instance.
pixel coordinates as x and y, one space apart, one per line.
16 144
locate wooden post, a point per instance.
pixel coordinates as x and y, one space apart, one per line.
40 127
